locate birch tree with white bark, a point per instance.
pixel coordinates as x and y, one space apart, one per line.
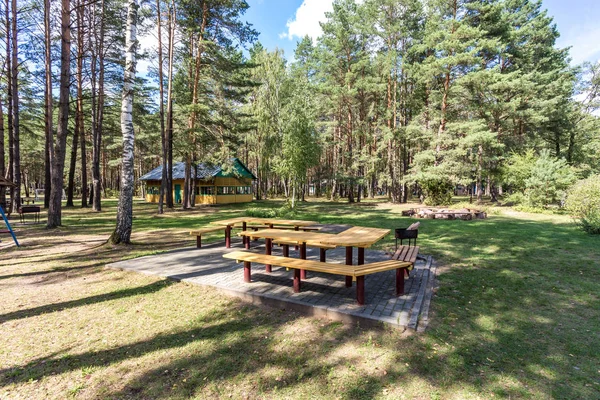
122 232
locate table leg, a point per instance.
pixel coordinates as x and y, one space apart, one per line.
198 242
348 262
297 281
361 255
286 250
228 236
303 257
268 246
322 254
247 277
400 281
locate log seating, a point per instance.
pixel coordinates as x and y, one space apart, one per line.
356 271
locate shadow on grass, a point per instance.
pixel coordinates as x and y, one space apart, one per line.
136 291
516 315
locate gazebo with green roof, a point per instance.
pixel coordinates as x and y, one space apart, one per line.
214 184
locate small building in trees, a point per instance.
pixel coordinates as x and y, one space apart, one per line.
214 184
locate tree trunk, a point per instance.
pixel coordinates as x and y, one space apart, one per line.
58 161
479 174
2 157
73 164
169 133
48 105
9 99
122 233
163 138
16 150
97 108
79 113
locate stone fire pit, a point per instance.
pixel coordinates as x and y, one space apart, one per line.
466 214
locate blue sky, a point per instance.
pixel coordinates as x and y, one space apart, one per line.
282 22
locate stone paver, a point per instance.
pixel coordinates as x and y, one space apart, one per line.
322 294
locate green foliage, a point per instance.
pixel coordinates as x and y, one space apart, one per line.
438 191
548 181
583 201
516 198
282 212
518 170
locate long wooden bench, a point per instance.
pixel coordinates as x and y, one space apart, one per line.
199 232
288 227
356 271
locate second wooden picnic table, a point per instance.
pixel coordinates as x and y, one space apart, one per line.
268 222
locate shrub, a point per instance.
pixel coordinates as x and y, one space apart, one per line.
548 181
261 212
516 198
282 212
437 191
583 201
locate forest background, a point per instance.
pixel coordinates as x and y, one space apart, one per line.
400 97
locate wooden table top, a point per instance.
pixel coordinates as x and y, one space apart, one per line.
288 236
264 221
356 236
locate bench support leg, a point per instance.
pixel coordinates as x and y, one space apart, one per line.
198 242
297 281
296 228
254 229
286 250
322 252
361 256
228 236
348 262
268 246
360 290
400 281
245 239
303 257
247 277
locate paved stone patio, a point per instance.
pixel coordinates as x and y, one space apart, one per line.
322 295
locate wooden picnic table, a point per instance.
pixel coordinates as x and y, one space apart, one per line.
269 222
301 238
360 237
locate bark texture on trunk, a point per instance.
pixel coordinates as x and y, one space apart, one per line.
48 105
163 138
97 108
16 150
122 233
58 161
169 133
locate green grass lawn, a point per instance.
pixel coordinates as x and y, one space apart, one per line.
516 315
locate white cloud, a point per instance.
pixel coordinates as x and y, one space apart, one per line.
307 19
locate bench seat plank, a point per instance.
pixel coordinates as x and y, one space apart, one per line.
208 229
359 271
